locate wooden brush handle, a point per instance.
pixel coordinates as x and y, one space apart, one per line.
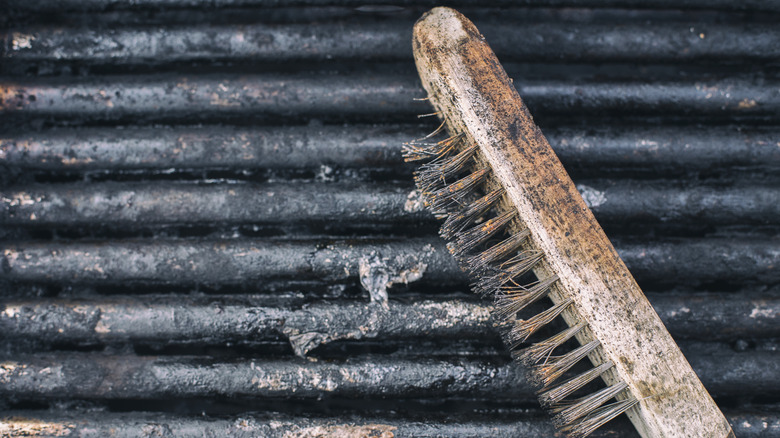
467 84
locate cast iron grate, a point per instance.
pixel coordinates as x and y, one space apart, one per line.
207 227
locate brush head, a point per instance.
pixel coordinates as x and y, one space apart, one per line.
520 228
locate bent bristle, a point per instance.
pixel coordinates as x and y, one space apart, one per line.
557 393
543 350
417 151
494 278
435 131
515 298
550 371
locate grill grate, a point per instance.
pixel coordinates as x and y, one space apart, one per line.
203 208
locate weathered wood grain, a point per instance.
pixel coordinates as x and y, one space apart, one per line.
466 83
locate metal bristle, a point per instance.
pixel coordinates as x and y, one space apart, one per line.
556 366
470 239
524 328
557 393
494 278
417 151
542 350
569 411
435 131
480 262
434 175
515 298
458 221
449 198
590 423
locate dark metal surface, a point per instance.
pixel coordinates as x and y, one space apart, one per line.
229 261
524 37
279 425
141 204
207 229
193 147
591 152
97 376
50 5
162 319
682 262
362 97
90 424
91 376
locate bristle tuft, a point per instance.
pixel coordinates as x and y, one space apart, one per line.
451 197
470 239
417 151
493 278
543 350
569 411
457 222
435 175
478 263
556 366
524 328
587 425
557 393
515 298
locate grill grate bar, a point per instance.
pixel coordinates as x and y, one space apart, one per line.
138 205
725 261
504 424
374 97
292 147
367 39
142 204
96 376
101 5
106 377
653 150
246 319
227 261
